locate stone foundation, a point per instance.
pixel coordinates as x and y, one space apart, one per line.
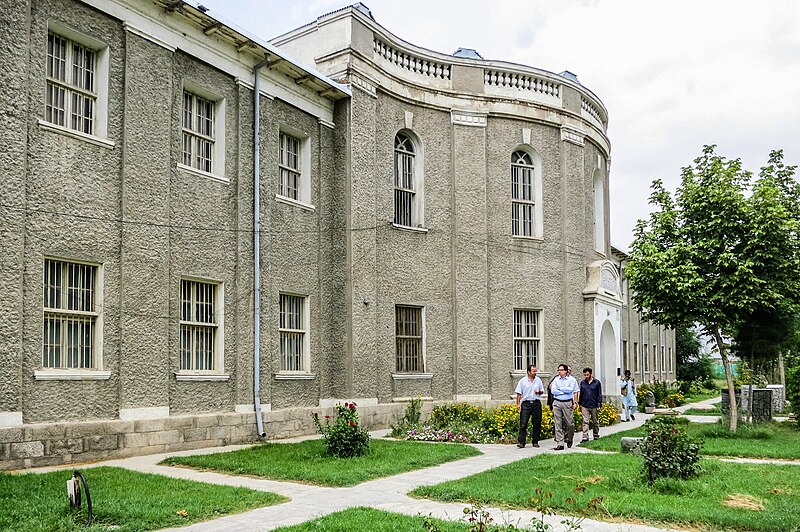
47 444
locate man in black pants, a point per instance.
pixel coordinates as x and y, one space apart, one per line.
529 403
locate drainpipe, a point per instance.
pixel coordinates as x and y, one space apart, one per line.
257 249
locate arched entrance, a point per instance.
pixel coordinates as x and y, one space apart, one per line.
606 360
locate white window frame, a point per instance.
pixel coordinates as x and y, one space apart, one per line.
645 361
194 324
216 171
404 367
663 362
526 334
599 214
408 153
526 165
98 93
636 361
61 312
286 331
300 168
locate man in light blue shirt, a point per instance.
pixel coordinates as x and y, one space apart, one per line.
529 403
565 399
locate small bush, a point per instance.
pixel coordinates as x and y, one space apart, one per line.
668 452
608 415
343 437
410 418
674 399
504 422
445 415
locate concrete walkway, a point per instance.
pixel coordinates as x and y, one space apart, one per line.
308 502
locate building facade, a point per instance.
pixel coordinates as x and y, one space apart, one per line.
427 225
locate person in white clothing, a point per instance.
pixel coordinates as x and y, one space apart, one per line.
529 403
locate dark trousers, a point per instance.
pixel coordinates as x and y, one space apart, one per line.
530 410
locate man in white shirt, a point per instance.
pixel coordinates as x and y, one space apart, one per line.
529 403
565 394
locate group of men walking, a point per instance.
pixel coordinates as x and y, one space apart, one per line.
564 395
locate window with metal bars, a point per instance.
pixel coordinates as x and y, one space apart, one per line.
522 194
645 361
198 132
404 181
625 355
527 337
70 92
70 315
289 167
408 337
198 326
292 332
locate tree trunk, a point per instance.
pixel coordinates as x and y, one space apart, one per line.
723 353
781 370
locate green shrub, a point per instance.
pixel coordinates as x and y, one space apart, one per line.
444 416
674 399
504 422
668 452
343 437
409 420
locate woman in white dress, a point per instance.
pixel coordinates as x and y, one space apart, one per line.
628 390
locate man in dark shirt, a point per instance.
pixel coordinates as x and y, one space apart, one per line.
590 400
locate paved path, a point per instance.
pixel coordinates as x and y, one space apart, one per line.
308 502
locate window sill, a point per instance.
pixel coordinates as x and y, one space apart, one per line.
289 201
529 238
412 376
200 173
300 376
97 141
71 375
180 376
409 228
519 373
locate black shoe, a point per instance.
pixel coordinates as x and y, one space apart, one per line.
569 444
535 445
633 417
520 446
585 439
596 437
624 420
559 448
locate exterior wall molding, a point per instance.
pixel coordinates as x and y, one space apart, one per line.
327 123
130 28
363 401
572 135
364 83
472 398
412 376
468 118
147 412
71 375
10 419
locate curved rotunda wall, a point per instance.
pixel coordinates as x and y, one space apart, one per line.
463 265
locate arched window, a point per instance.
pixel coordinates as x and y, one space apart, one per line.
523 195
405 185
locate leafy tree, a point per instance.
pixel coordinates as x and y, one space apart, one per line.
712 253
691 364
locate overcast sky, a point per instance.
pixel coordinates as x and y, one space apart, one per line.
673 74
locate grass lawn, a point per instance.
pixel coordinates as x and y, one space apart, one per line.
696 398
121 499
768 440
694 412
307 462
373 520
714 500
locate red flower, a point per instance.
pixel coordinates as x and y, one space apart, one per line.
352 424
352 406
327 417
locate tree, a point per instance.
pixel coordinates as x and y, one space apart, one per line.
691 365
712 253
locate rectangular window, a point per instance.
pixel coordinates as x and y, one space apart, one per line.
289 167
636 356
522 201
645 360
293 332
198 132
625 355
655 360
70 315
409 335
669 358
527 336
199 326
70 93
663 360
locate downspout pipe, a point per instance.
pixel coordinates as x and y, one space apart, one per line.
257 248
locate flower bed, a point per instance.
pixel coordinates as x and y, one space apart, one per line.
467 423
